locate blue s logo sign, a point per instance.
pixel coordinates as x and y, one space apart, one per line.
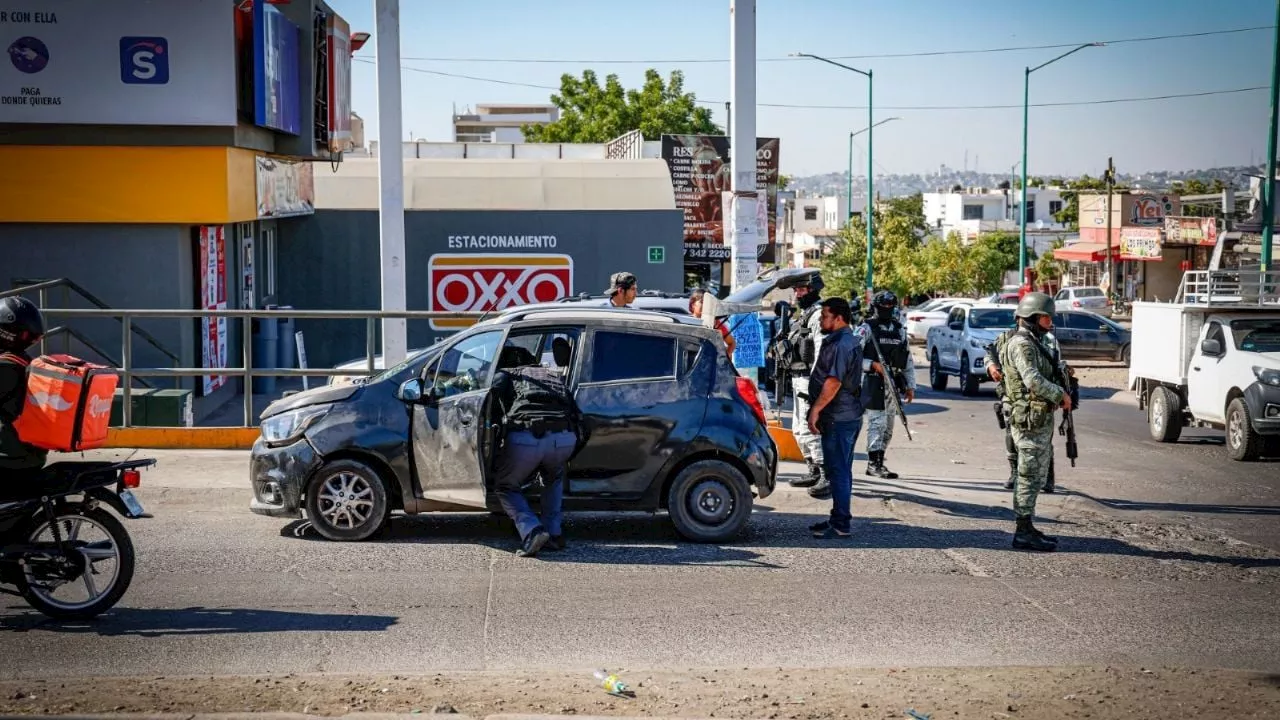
144 60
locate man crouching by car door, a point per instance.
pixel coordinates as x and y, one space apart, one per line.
540 433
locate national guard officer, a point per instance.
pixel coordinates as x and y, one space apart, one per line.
540 421
1033 397
891 336
803 345
995 372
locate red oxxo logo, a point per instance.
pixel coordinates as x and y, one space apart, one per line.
476 283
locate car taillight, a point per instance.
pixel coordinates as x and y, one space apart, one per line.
747 391
131 478
915 318
1075 303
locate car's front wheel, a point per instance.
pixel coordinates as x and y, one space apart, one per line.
710 501
346 500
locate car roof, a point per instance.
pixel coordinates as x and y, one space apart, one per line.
549 313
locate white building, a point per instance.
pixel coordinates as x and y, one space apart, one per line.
977 211
501 123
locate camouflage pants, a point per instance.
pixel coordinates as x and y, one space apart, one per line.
1035 453
1011 452
810 444
880 428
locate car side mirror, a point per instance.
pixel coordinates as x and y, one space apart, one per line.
1211 347
1104 328
956 326
414 391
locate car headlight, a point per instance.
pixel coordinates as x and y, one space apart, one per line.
1267 376
976 344
289 426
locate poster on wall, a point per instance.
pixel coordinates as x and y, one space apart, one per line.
1140 244
701 173
276 70
285 188
339 38
213 296
248 294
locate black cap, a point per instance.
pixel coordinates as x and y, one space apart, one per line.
620 281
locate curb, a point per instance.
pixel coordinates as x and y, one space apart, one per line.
182 438
349 716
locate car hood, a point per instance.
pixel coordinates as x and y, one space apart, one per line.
749 298
315 396
984 335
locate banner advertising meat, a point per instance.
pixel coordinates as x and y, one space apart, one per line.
1181 230
700 172
212 271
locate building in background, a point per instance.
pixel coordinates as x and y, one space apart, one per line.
501 122
158 171
973 212
1148 263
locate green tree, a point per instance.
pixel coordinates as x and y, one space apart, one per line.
591 113
783 181
1049 269
897 255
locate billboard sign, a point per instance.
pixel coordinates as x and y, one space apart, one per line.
276 71
339 39
1140 244
463 282
700 173
128 62
1181 230
1149 210
285 188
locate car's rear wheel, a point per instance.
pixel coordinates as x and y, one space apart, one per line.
347 501
1164 415
710 501
937 378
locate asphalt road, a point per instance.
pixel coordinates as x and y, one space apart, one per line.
1170 555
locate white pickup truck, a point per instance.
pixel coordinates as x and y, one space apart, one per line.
1212 359
959 347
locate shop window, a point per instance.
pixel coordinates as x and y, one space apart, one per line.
972 212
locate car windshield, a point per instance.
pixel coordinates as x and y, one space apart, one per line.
989 319
1262 336
408 362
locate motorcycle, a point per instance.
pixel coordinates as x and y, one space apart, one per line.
60 549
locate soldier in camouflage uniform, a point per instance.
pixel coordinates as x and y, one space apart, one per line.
996 373
891 336
1032 398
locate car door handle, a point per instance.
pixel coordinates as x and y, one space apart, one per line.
1196 368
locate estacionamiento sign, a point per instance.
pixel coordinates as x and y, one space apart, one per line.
123 62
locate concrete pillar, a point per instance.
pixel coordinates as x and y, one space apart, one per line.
742 147
390 180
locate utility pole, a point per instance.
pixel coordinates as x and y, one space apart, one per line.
1110 177
742 141
390 181
1269 185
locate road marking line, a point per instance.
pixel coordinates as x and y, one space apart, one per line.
971 567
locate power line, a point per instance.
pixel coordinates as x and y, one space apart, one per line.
932 53
922 108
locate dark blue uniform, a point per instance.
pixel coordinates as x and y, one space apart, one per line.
540 420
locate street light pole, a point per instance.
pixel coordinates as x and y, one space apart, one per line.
1026 106
1269 189
870 163
852 135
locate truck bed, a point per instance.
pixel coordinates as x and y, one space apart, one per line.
1164 338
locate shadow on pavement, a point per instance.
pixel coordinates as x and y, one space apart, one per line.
638 539
158 622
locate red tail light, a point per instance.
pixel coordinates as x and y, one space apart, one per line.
915 318
747 391
131 478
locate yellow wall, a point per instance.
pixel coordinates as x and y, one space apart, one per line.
169 185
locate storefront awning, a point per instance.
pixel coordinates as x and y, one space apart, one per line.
1081 252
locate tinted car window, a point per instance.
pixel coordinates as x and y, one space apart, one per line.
988 319
1256 335
1077 321
1088 292
624 356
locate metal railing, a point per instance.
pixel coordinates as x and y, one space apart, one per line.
1220 288
128 372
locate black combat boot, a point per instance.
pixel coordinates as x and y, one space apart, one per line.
1036 531
876 468
1025 538
814 477
821 491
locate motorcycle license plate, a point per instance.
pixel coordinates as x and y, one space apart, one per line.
131 502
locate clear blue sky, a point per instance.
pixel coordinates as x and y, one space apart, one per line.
1168 134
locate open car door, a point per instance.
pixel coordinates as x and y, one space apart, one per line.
449 429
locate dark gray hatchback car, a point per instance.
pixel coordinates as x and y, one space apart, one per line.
668 425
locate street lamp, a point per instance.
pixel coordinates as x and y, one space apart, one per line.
851 136
1022 207
871 123
1269 186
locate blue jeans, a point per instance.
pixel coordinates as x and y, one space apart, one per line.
522 455
838 439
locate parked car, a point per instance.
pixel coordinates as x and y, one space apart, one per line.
919 321
1089 298
1089 336
668 424
1004 297
958 345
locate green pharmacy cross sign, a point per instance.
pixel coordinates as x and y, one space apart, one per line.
657 254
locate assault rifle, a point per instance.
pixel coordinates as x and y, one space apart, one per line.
891 389
1067 428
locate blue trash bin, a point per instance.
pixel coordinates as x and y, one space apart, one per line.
266 352
288 354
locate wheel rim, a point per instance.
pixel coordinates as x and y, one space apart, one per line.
93 555
964 370
346 501
933 367
1157 413
711 502
1235 430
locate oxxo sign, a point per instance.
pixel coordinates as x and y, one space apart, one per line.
479 283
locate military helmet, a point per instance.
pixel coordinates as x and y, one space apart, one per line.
885 298
1033 304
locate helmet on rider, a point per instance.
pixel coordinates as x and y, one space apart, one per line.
21 324
884 303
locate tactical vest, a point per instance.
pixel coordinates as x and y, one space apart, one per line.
1025 408
889 336
803 344
540 394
